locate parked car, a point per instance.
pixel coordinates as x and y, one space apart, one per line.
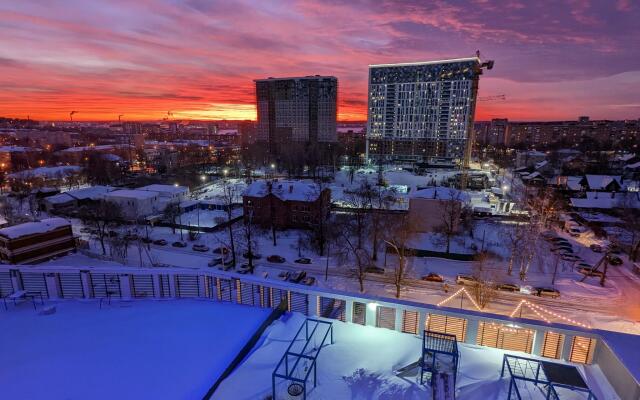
546 292
596 248
562 250
303 260
160 242
433 277
221 250
179 244
200 247
590 271
214 262
131 237
284 275
374 270
244 269
558 239
146 240
255 256
570 257
614 249
309 281
466 280
548 235
614 260
508 287
297 276
274 258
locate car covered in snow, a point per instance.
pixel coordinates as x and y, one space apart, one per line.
179 244
297 276
303 260
309 281
160 242
467 280
200 247
508 287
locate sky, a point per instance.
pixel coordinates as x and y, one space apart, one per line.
555 59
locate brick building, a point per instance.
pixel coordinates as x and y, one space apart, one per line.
290 204
36 241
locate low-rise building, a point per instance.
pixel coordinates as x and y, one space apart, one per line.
36 241
168 193
286 204
135 204
73 199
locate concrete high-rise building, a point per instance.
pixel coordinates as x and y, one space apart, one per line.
423 111
296 110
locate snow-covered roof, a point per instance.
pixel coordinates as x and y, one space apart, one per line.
132 194
32 228
541 164
573 183
172 189
601 181
92 192
104 147
16 149
632 166
607 200
441 193
285 190
46 172
111 157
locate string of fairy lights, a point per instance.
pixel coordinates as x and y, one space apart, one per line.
541 312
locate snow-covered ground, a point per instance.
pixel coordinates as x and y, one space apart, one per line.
361 364
142 349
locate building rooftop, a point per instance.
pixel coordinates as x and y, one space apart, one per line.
164 188
447 61
132 194
308 77
285 190
32 228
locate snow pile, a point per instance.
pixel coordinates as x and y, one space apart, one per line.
361 364
140 350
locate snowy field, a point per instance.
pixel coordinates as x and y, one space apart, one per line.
134 350
361 364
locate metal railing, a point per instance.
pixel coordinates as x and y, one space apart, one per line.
218 285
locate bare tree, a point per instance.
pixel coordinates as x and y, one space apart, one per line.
248 239
397 237
631 217
347 248
101 217
484 289
382 201
228 198
452 210
514 237
171 213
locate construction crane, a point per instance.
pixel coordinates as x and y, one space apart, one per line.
493 98
71 115
120 117
468 148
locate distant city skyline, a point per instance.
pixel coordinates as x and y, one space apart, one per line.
197 59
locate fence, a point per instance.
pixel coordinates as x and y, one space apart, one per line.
569 343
